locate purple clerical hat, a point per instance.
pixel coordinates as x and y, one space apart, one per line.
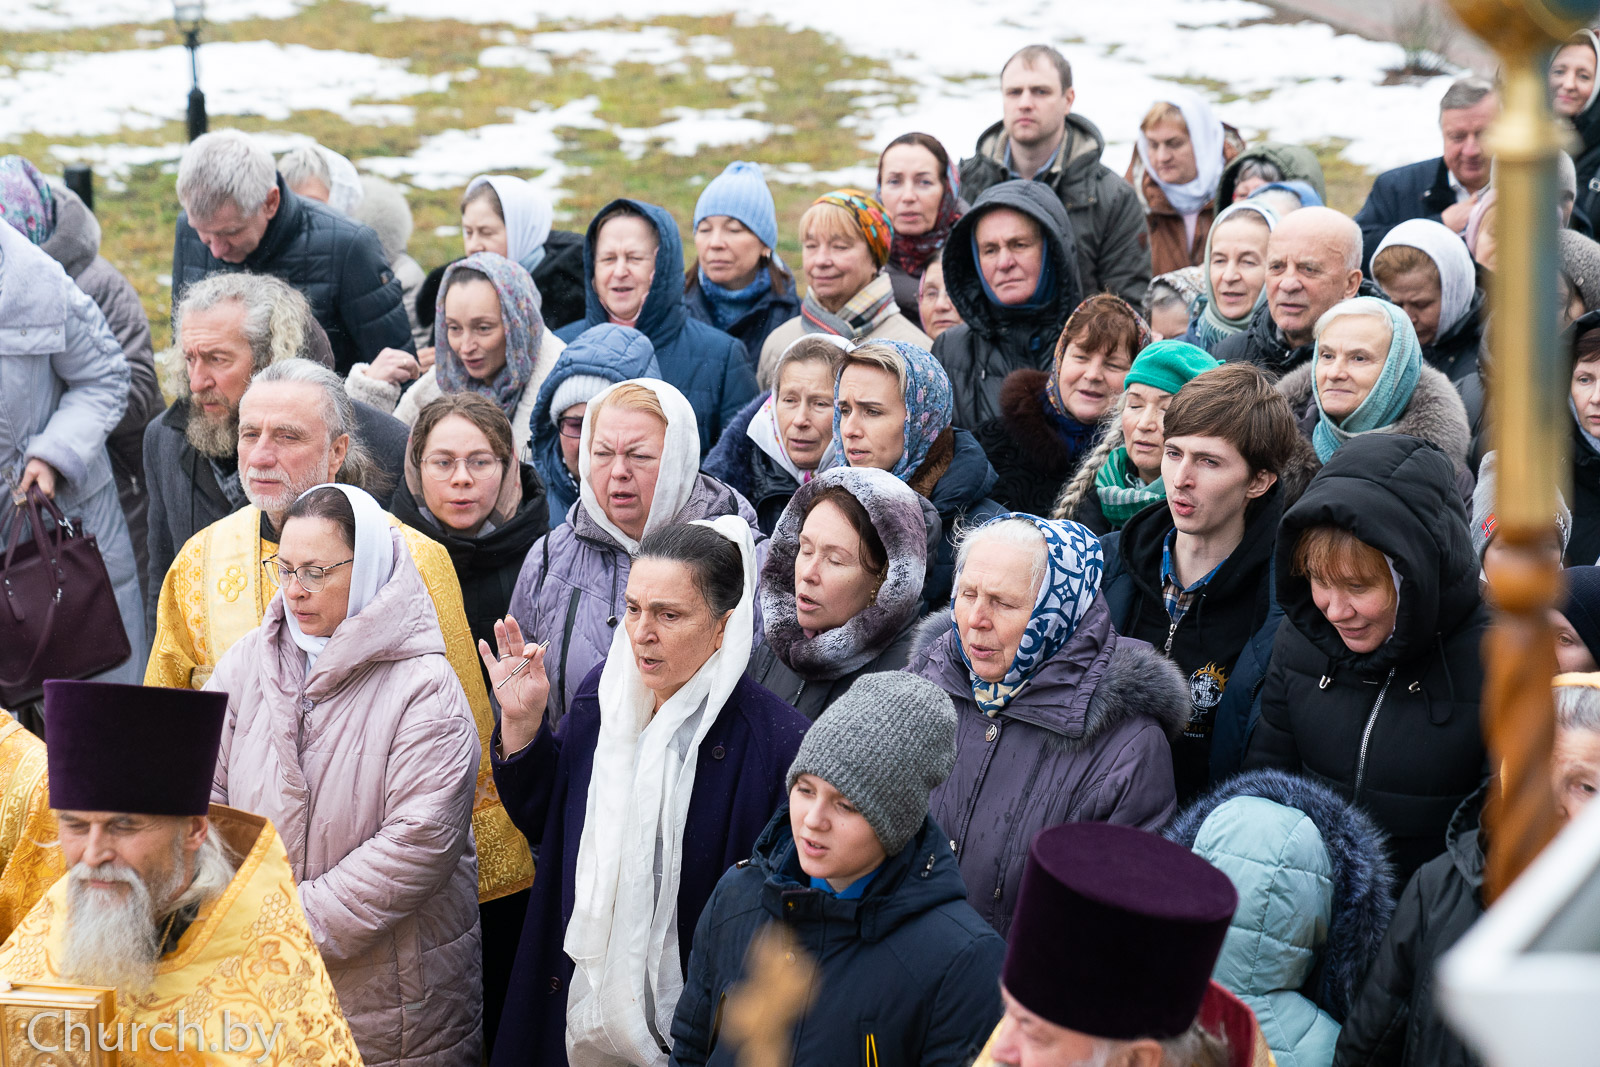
1116 931
131 748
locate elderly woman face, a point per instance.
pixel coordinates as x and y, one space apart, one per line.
1416 292
933 301
837 266
1362 612
872 417
671 628
832 584
319 599
803 404
995 595
460 475
1350 357
1142 418
1171 152
482 228
1091 382
1572 74
1575 767
1238 263
625 447
475 329
625 265
1011 250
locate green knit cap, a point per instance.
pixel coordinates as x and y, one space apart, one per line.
1168 365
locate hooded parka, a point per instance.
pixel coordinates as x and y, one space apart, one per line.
1295 162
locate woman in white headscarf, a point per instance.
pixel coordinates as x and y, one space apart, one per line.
348 729
661 775
1426 270
1181 150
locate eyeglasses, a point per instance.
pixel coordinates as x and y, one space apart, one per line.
571 426
310 578
441 467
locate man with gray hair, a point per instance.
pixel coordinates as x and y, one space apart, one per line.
1446 187
239 214
228 328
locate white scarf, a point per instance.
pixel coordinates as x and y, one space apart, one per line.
675 474
1458 278
1206 138
623 935
373 565
763 431
345 191
528 214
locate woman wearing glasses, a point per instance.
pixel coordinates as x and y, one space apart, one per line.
348 729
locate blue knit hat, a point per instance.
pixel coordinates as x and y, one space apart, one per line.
741 192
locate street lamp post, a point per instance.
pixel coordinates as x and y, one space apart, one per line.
190 15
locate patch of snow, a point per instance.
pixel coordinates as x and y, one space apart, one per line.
528 142
19 15
691 130
515 56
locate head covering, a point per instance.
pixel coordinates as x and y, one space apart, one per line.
675 474
912 252
1211 325
131 748
1581 607
1169 366
1206 138
1580 263
1458 275
763 430
1052 389
1586 36
1302 190
870 219
372 566
1475 218
1116 931
524 325
528 215
1390 394
886 744
345 191
1484 521
576 389
26 200
740 192
623 934
1074 563
930 406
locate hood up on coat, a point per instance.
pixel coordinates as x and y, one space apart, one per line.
1296 162
661 318
76 239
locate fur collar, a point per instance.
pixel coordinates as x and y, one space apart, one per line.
935 464
1435 413
1023 417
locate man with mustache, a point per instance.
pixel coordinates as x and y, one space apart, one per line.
297 430
165 892
228 327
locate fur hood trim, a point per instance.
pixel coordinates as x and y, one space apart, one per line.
1435 412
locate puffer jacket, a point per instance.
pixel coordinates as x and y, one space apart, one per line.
614 353
63 390
992 341
368 768
1084 741
1584 547
705 364
336 262
1315 896
909 973
738 463
776 307
1396 730
572 589
1107 222
1170 246
1295 162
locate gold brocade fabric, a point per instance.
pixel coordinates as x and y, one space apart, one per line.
248 961
217 591
30 858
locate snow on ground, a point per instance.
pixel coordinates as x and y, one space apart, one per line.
528 142
20 15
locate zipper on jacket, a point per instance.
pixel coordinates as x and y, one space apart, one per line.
1172 629
1366 737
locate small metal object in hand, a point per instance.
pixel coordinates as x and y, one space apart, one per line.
527 654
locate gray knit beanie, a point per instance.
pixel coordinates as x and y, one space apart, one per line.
577 389
886 744
1484 522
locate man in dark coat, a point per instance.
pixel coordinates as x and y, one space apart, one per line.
239 215
1445 188
1040 139
1011 271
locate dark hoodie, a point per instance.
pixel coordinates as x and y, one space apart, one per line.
705 364
1395 730
993 340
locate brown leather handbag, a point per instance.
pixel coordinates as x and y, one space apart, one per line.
58 611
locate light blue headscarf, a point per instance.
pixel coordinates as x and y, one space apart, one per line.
929 405
1074 563
1392 392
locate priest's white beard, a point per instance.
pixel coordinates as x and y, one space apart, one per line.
114 938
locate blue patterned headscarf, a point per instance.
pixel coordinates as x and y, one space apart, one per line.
1390 395
929 405
1074 563
519 311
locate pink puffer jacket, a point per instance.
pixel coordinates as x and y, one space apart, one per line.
367 768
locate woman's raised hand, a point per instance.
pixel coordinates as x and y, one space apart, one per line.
520 683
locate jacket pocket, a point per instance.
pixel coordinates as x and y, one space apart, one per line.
37 340
413 992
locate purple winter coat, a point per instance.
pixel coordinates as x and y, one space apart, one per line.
1084 741
738 784
573 584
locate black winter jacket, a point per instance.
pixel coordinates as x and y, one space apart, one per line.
810 698
1395 730
1584 547
1263 344
909 973
1415 191
1394 1022
736 461
336 262
1032 459
992 341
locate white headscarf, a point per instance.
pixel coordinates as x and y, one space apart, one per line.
623 935
373 556
1206 137
763 429
528 213
344 184
1458 280
675 475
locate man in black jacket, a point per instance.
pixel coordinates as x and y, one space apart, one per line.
1446 187
239 215
1192 575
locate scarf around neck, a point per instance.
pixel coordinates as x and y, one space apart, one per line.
860 315
765 434
911 252
1211 324
1390 395
524 328
1120 491
371 567
728 306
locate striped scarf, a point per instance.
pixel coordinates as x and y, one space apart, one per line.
861 314
1120 491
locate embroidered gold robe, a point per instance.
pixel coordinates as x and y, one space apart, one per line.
217 591
30 858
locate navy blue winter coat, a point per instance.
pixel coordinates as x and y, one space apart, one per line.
705 364
909 973
1415 191
737 463
750 329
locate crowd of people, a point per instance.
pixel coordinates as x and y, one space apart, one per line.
1061 603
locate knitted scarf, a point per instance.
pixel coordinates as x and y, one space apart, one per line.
728 306
861 314
1121 492
1211 325
1391 393
519 311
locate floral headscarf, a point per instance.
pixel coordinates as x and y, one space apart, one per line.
519 310
25 199
1073 566
1098 302
911 253
929 405
870 218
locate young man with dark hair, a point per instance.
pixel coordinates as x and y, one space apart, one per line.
1193 575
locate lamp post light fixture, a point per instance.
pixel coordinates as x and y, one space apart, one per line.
190 15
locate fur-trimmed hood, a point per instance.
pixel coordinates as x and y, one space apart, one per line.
1363 883
1435 412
